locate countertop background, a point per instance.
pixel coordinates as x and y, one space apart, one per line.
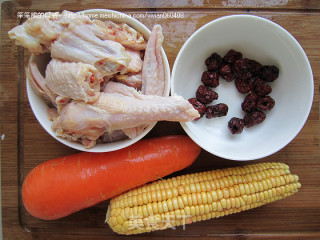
25 144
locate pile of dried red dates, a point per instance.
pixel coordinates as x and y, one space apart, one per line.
251 78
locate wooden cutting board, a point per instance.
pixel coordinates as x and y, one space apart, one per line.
25 144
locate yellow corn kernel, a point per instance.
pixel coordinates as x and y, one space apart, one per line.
193 188
127 212
149 209
112 221
185 199
197 210
175 203
223 203
214 206
220 194
117 211
163 195
187 189
165 207
134 212
134 200
187 210
160 208
169 204
203 217
177 214
122 214
201 209
199 198
125 227
140 212
192 211
228 203
189 196
194 199
180 202
119 220
116 204
169 193
180 190
159 196
175 192
203 187
155 208
226 193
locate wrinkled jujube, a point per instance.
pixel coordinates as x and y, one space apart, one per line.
241 69
232 56
227 73
253 66
261 88
199 106
205 94
213 62
210 79
236 125
243 85
269 73
265 103
254 118
250 102
218 110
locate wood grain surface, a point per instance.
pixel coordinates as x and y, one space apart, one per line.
24 143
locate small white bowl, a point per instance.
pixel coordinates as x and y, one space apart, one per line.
39 107
270 44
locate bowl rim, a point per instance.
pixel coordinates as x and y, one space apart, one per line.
104 147
309 70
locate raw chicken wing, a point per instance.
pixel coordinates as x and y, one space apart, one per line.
153 76
78 81
122 33
38 84
36 34
135 64
80 43
131 79
114 111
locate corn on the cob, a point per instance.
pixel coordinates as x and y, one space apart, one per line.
199 196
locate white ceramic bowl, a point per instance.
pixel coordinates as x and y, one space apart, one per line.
39 107
270 44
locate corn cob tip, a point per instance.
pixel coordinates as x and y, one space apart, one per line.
108 215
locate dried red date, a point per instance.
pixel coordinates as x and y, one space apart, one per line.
253 66
266 103
261 88
200 107
243 85
218 110
232 56
236 125
210 79
226 73
240 68
213 62
269 73
250 102
205 94
254 118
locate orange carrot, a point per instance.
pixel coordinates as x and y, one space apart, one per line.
62 186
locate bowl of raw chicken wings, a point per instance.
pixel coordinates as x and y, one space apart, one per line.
98 80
